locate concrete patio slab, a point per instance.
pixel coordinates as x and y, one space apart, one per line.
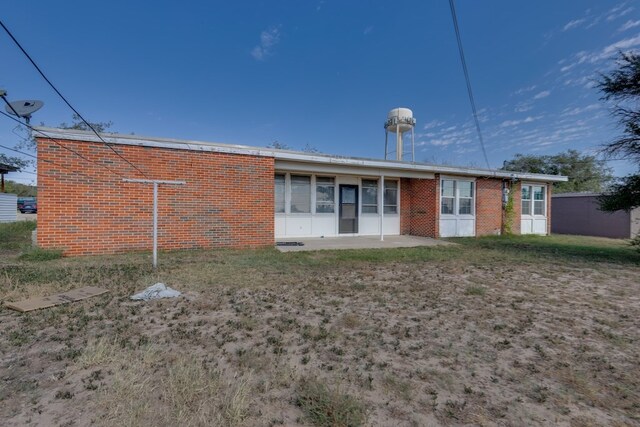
359 242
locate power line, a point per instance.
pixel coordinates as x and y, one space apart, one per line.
54 163
59 144
65 99
468 80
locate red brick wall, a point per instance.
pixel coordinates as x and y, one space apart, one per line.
227 200
516 190
488 206
419 213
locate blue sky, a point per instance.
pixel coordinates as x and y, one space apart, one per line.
325 72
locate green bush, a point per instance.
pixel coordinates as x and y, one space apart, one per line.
38 254
14 235
326 407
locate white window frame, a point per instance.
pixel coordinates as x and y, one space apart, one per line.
362 205
397 204
532 209
311 193
315 194
456 197
284 212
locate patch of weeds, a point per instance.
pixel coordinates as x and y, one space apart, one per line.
475 290
397 386
64 394
324 406
39 254
539 394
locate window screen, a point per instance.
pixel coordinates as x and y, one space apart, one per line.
325 194
448 196
279 193
465 196
300 194
391 197
526 200
538 200
369 196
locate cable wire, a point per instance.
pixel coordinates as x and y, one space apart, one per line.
65 99
60 144
468 80
55 164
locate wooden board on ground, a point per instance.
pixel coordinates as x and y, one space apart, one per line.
57 299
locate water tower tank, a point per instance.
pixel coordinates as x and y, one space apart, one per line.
403 117
399 121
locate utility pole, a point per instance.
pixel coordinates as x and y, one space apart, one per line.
155 209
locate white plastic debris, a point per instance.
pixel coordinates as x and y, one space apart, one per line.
157 291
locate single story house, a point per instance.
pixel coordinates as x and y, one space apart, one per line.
240 196
579 213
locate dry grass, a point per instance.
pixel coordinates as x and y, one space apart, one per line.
512 332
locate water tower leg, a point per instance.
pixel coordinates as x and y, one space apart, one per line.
386 139
413 144
398 143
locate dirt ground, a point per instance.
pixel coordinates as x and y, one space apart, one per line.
415 337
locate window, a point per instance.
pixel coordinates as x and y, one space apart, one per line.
325 194
526 200
390 197
300 194
456 197
538 200
448 196
533 200
279 192
369 196
465 198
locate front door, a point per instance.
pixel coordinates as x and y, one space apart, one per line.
348 209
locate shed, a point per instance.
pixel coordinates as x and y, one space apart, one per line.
579 213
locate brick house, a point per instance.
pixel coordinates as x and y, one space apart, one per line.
239 196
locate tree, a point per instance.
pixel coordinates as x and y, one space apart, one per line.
622 86
14 161
585 172
76 123
278 145
21 190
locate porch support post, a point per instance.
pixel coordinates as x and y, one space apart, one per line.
381 207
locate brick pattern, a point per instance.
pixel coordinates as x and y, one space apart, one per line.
419 213
227 200
489 212
516 190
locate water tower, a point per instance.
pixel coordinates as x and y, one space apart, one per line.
399 121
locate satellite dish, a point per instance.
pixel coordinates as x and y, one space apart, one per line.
24 108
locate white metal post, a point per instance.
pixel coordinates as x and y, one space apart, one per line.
381 208
398 142
155 225
155 209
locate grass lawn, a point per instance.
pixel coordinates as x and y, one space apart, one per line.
493 331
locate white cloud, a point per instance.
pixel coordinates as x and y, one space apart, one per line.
573 24
510 123
521 107
433 124
579 110
542 94
619 12
368 30
525 89
268 39
629 25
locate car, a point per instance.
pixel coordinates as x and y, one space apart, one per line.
29 207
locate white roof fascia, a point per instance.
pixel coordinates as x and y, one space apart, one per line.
337 169
292 156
